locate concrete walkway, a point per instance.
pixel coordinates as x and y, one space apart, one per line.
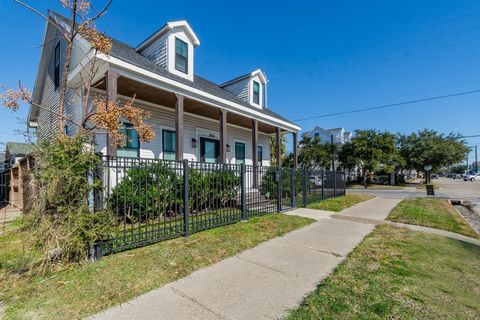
263 282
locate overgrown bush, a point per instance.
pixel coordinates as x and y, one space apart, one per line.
145 192
61 223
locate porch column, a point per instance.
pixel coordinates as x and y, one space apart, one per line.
111 85
255 151
295 149
279 146
254 141
179 127
223 136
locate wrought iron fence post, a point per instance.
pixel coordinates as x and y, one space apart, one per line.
242 192
334 183
185 196
323 184
292 187
279 189
305 187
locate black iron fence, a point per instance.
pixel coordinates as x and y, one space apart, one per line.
4 186
153 199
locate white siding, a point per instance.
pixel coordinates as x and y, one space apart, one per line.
157 51
195 127
47 121
239 88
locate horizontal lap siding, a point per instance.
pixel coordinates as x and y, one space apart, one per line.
194 127
48 121
239 89
157 52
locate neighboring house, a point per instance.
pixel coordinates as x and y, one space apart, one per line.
194 119
15 151
340 136
2 161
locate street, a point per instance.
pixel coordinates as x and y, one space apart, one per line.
447 188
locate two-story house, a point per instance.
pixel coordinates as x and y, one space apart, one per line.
194 119
338 135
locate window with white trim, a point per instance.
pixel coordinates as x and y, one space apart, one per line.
181 55
256 92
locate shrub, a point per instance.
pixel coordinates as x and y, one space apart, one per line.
268 184
61 223
147 191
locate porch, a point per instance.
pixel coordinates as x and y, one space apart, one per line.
203 131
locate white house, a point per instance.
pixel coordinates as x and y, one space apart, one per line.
340 136
194 119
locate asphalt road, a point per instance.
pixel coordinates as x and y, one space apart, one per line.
448 188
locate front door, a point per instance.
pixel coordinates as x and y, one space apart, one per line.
209 150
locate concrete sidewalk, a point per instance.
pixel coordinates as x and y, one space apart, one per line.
263 282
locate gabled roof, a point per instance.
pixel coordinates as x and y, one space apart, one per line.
130 55
19 148
258 72
167 27
126 53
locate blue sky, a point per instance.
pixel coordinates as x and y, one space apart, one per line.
320 56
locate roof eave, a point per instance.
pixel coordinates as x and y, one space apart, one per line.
287 125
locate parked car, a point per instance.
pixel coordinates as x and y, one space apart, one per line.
472 177
435 176
457 176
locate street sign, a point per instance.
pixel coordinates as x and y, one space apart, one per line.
427 167
430 190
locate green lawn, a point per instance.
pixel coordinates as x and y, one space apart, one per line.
430 212
340 203
400 274
88 288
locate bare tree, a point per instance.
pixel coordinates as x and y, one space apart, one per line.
98 113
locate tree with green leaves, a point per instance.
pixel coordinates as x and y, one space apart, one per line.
428 147
369 150
313 154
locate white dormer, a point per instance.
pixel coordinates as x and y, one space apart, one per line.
251 88
172 47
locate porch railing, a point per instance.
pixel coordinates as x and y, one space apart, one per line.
153 199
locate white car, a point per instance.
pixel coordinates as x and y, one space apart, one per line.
472 177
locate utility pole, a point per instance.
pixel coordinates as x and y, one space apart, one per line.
333 152
476 160
467 163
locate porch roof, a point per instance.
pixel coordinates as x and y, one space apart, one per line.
128 54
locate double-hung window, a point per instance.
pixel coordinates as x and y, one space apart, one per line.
131 147
168 144
56 64
239 153
256 92
181 55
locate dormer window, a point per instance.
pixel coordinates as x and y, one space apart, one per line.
256 92
181 55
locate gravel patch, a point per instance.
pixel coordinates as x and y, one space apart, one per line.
472 217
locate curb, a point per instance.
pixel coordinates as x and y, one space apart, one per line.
465 204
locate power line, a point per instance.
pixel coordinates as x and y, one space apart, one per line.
384 40
391 105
